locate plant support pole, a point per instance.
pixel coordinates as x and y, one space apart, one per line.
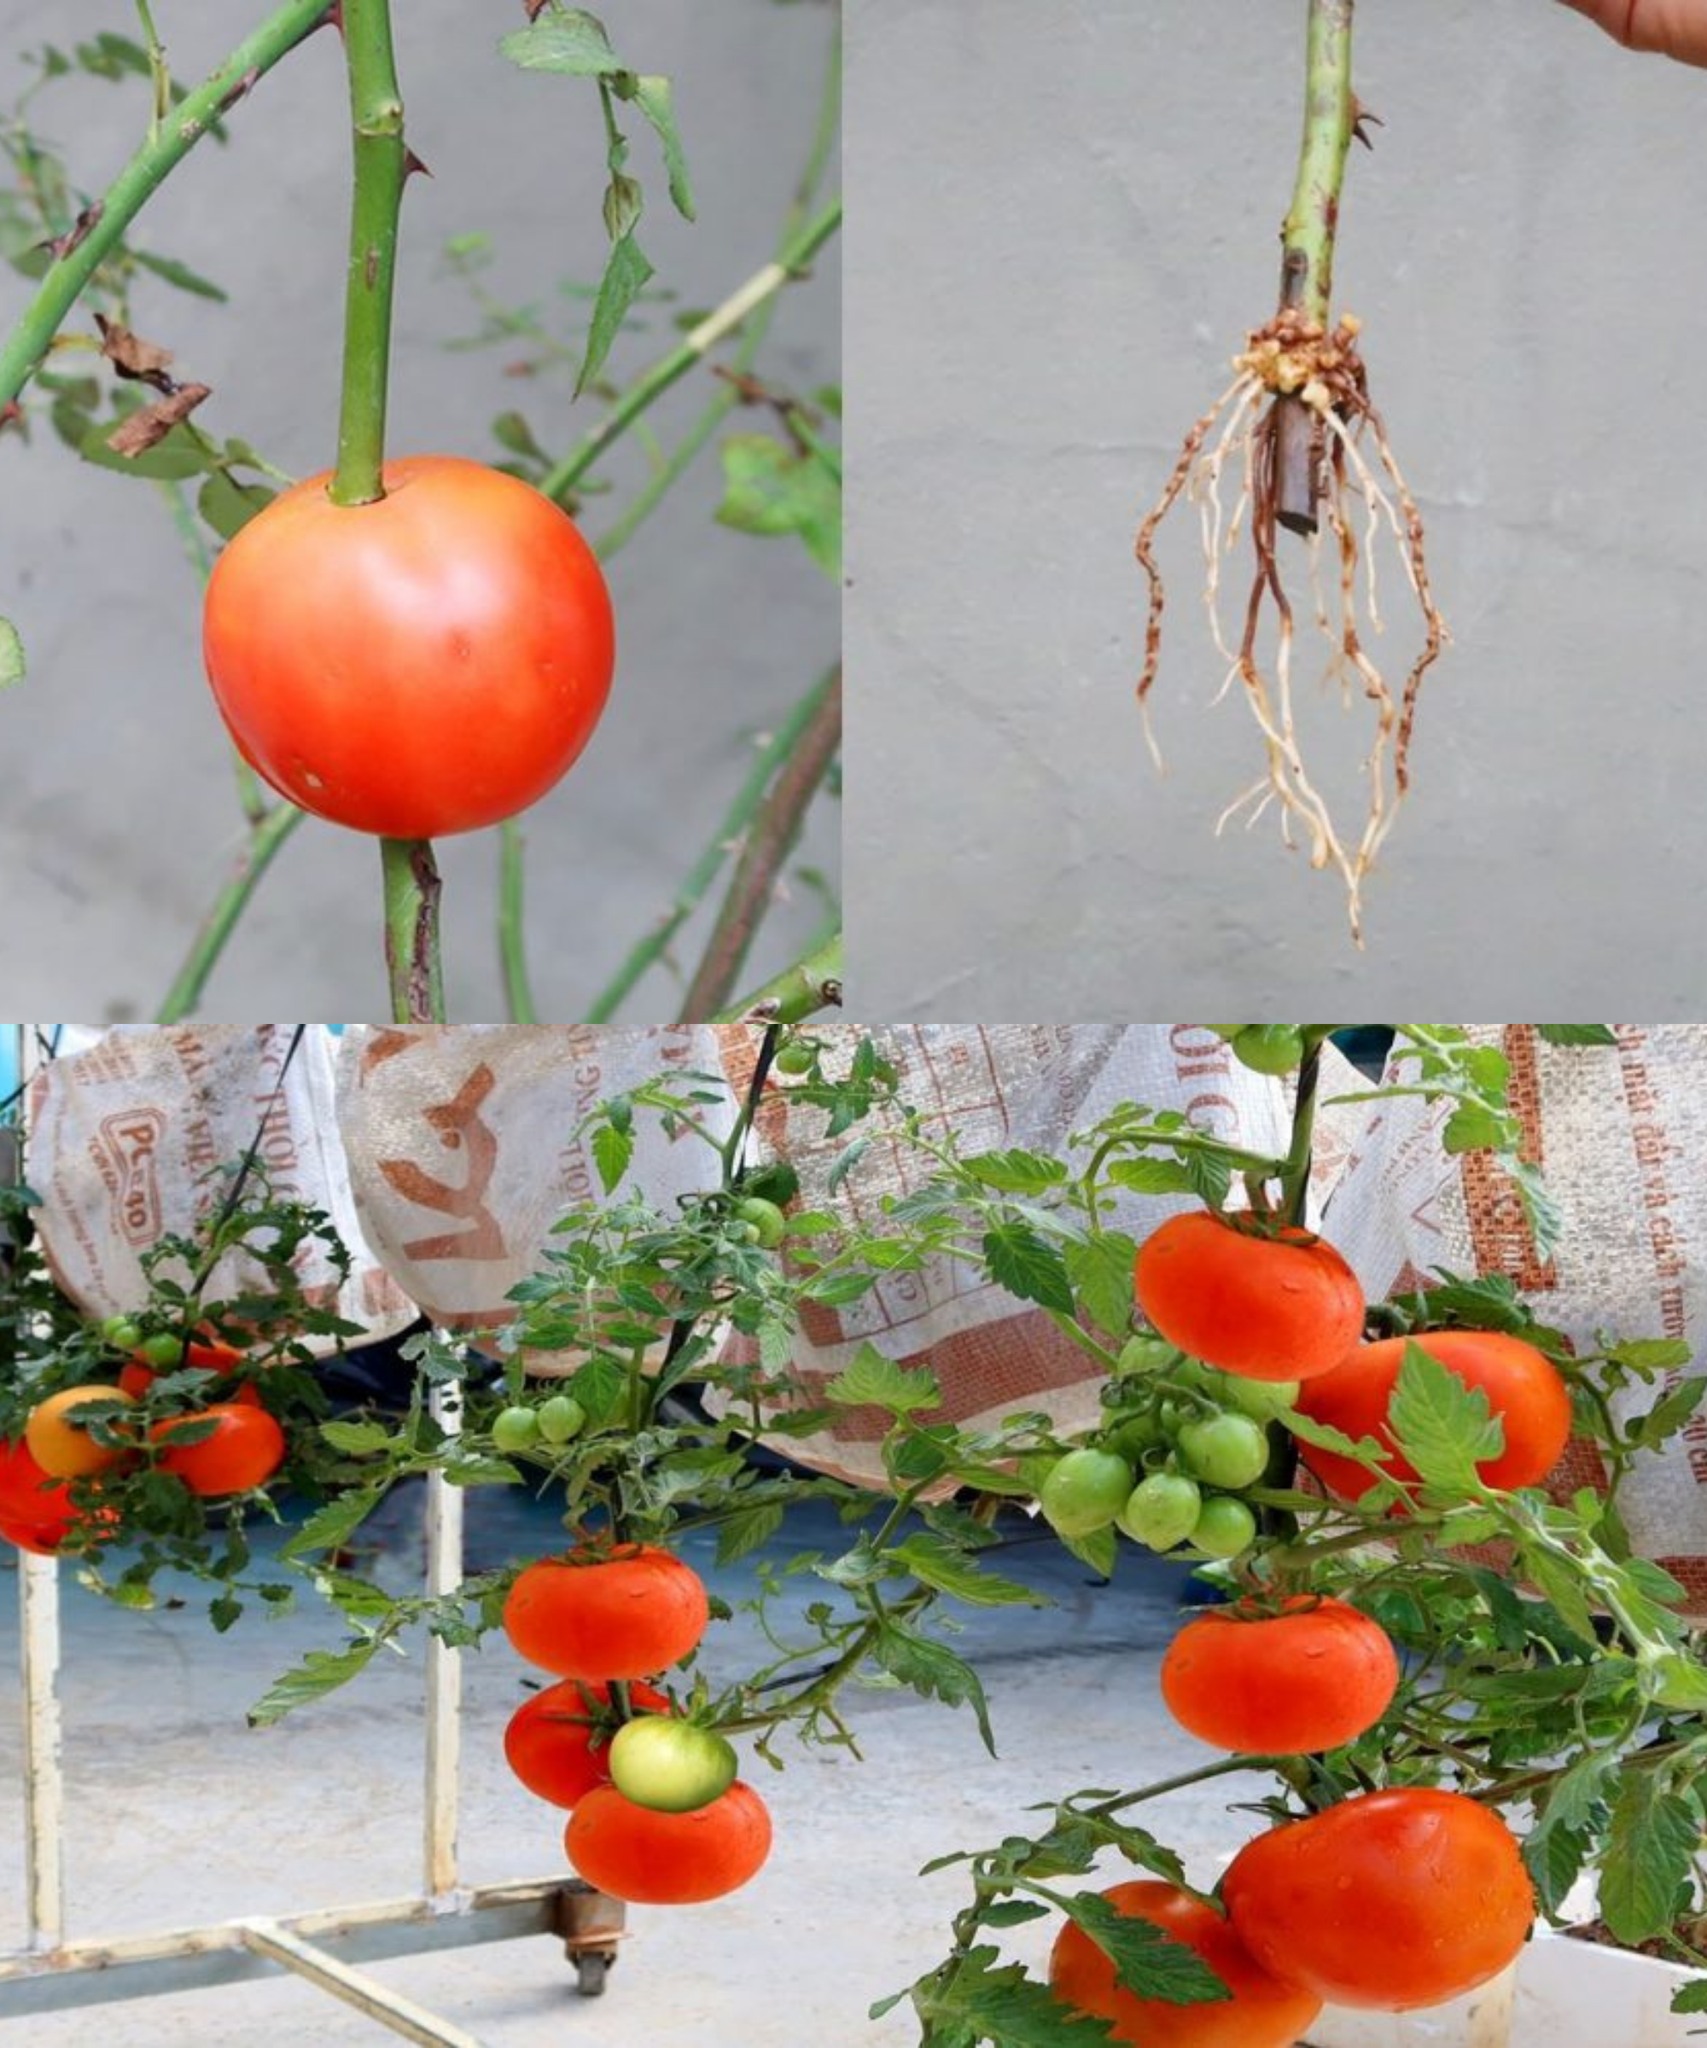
1307 241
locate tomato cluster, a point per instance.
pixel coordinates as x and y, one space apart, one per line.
657 1814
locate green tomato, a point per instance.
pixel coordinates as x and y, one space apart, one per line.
1269 1048
162 1349
1144 1354
1084 1491
560 1418
1263 1400
1224 1450
796 1057
1134 1437
1224 1528
121 1332
1161 1510
670 1765
764 1219
514 1429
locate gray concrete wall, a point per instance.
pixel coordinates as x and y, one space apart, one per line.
116 809
1065 221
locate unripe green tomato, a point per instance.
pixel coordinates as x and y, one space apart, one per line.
796 1057
764 1219
162 1350
1224 1450
1135 1436
1224 1528
1084 1491
121 1332
671 1765
1262 1400
1161 1510
560 1418
1143 1354
1269 1048
514 1429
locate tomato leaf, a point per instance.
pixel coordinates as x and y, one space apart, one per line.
1150 1176
627 271
935 1561
872 1380
178 455
655 99
228 506
1576 1034
1020 1261
613 1148
1146 1960
173 272
568 39
745 1529
997 2001
772 489
934 1671
11 654
320 1672
1650 1854
333 1524
1100 1269
1016 1172
356 1439
1443 1427
1098 1550
1668 1414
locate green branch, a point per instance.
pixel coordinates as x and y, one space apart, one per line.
1330 112
267 834
412 931
105 223
381 165
813 983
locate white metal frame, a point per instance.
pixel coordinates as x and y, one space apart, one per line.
51 1974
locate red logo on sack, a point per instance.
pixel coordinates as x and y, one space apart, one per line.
128 1145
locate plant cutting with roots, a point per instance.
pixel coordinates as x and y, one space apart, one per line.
1296 443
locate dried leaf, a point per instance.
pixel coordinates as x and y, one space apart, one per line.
131 356
85 224
150 424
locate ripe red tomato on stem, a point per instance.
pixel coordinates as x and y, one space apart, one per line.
1391 1899
430 663
653 1858
243 1450
1312 1676
624 1615
1263 2011
1272 1305
549 1740
1523 1386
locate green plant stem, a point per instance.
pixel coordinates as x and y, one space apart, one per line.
1307 237
381 165
411 879
33 333
512 927
1295 1168
266 835
813 983
670 369
769 841
653 946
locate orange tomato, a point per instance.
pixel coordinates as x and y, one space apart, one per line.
59 1446
668 1859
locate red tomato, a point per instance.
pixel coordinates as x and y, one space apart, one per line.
1522 1384
621 1616
1314 1676
28 1494
668 1859
218 1361
1263 2011
429 663
549 1740
245 1449
1272 1306
1391 1899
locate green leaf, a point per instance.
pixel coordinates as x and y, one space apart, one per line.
997 2002
332 1526
1151 1176
772 489
11 654
1650 1853
320 1672
613 1149
177 456
1014 1912
1016 1172
1669 1413
626 273
1690 1997
1473 1128
572 41
871 1380
935 1561
1100 1269
356 1439
1442 1426
228 506
1025 1265
1098 1550
933 1671
180 274
1146 1960
1576 1034
747 1528
1560 1587
655 100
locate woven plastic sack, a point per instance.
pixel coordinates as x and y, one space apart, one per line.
1621 1138
126 1135
463 1150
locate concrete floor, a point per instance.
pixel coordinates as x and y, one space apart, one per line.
180 1815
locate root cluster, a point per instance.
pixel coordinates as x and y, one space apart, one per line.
1294 365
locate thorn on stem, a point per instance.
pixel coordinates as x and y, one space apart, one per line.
1360 117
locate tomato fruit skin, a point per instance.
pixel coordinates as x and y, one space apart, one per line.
622 1616
1314 1676
430 663
671 1765
764 1217
1084 1491
797 1056
1261 1400
1523 1386
58 1446
1391 1899
548 1741
218 1361
245 1449
1224 1450
1268 1048
1283 1307
28 1494
1162 1510
560 1418
514 1429
1263 2011
668 1859
1224 1527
